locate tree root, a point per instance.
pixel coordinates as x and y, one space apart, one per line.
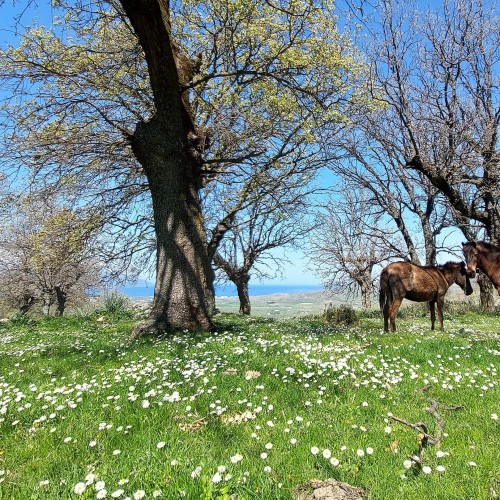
147 328
155 327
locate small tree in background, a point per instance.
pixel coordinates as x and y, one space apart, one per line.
273 220
346 246
46 257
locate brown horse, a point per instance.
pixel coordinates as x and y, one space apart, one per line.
404 280
485 257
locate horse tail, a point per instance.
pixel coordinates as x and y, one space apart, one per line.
385 292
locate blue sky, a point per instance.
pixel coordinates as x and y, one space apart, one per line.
42 14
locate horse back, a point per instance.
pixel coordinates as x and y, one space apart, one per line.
416 283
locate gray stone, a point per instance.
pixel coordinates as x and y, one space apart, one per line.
330 489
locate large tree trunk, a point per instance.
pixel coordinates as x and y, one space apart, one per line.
486 292
183 297
167 147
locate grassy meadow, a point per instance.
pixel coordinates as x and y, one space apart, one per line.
254 410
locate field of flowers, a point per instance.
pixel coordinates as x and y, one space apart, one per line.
253 411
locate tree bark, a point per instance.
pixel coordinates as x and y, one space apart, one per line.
430 245
183 297
46 303
366 293
243 295
166 146
486 292
61 297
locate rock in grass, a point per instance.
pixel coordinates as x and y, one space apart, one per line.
330 489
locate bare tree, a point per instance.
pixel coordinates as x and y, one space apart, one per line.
456 146
273 220
345 246
436 73
368 154
440 80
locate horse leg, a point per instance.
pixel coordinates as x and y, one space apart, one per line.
433 313
440 304
386 316
393 311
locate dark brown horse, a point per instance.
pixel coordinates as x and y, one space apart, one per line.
485 257
404 280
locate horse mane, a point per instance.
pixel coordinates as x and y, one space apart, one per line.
449 264
489 247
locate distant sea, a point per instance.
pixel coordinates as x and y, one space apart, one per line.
228 291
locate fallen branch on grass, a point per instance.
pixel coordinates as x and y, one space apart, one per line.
427 439
433 410
424 388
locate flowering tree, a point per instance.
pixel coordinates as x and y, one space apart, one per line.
46 256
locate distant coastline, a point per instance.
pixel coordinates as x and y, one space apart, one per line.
278 301
145 292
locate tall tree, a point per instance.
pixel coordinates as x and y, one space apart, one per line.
167 146
278 53
441 81
437 72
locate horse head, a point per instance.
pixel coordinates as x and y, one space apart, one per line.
463 281
471 252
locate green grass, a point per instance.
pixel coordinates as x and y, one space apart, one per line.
76 398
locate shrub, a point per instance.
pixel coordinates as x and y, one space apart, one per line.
461 307
19 318
414 310
340 315
115 302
